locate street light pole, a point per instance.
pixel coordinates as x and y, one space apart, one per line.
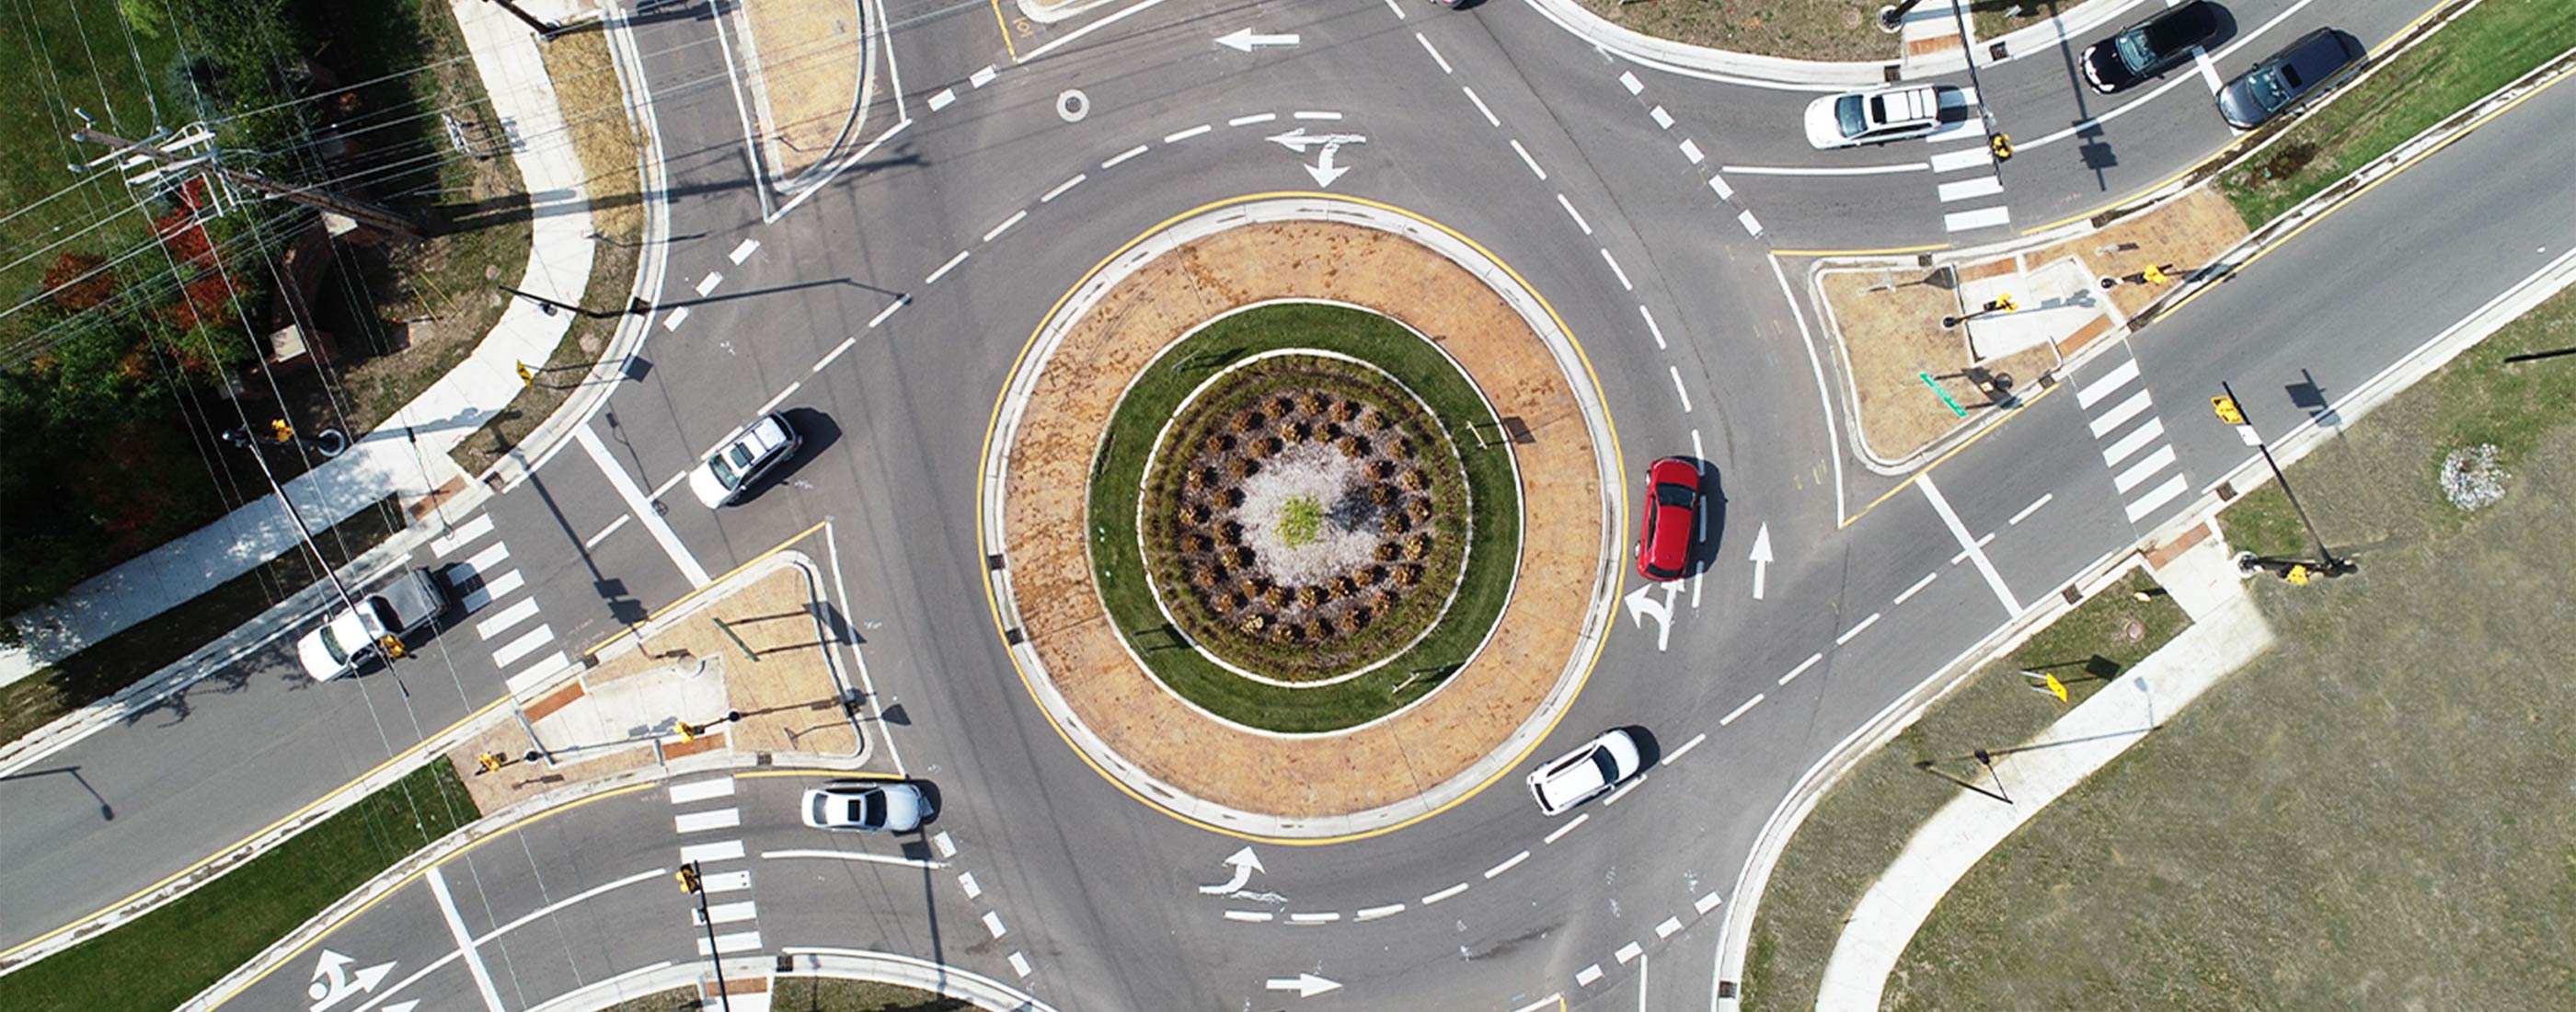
2232 411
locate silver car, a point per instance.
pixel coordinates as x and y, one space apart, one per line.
742 459
868 806
1587 772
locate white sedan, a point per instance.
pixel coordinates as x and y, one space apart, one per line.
1586 772
1889 114
868 806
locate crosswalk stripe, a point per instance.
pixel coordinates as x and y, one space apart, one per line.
724 850
529 676
507 617
489 589
699 822
2107 383
1965 189
2144 469
728 913
726 945
726 881
464 534
484 561
2120 414
2133 442
2162 494
1964 158
1983 217
703 790
523 646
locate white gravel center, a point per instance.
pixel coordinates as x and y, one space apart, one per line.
1348 537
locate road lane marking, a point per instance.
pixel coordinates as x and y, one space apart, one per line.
1706 903
845 855
1490 120
1587 975
1802 667
1315 115
1663 120
1739 711
1123 156
1917 588
1690 150
2144 469
1560 831
1067 185
1967 189
1435 53
845 344
594 540
1974 549
523 646
1614 269
1529 161
1751 225
947 847
1680 752
1628 80
1847 635
900 301
1622 792
966 881
2106 384
636 504
2034 506
1963 553
1327 917
1187 134
1249 916
1628 953
707 285
2208 69
1399 11
726 945
1515 860
743 252
1374 913
529 676
2120 414
1984 217
464 940
462 535
2161 495
1005 226
946 267
782 397
720 882
1718 183
1444 894
703 790
983 77
1678 388
727 913
2136 440
1825 170
501 621
993 923
1020 965
1258 117
1570 212
1964 158
1667 929
941 98
699 822
1658 332
666 484
698 853
672 321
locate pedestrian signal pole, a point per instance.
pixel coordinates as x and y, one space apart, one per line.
2232 412
694 883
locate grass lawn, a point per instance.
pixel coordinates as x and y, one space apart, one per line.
73 54
1829 30
2484 49
832 994
1118 471
2375 814
1863 821
157 961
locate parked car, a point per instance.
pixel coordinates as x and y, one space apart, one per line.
353 636
2297 71
1666 522
743 457
1587 772
2150 47
1889 114
868 806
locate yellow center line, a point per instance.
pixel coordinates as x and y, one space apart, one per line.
1005 26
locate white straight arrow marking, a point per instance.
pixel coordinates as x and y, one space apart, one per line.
1761 558
1244 39
1306 985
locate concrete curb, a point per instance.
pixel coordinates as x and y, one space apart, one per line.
1596 621
1812 75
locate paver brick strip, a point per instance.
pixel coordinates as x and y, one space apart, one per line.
1320 775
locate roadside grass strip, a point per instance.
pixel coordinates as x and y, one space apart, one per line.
159 960
2484 49
1866 818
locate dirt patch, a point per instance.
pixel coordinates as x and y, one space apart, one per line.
811 56
2181 236
1890 338
1130 712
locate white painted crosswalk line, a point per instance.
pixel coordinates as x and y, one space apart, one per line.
726 913
726 945
2156 498
2133 442
1967 189
726 881
525 609
703 790
726 850
490 588
1964 158
2106 384
463 535
1984 217
489 558
529 676
2137 475
2120 414
699 822
523 646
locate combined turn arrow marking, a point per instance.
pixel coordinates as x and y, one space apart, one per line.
1324 171
1761 558
1245 862
1306 985
1640 606
1245 39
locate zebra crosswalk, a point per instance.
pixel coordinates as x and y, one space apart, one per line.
477 563
2119 412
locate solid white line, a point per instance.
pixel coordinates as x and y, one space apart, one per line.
1258 117
728 913
1570 212
2144 469
1975 549
1066 185
1628 953
523 646
1663 120
1077 33
849 855
545 911
1315 115
946 847
708 284
464 534
721 882
1006 224
1917 588
2120 414
1738 711
1529 161
1964 158
1821 170
1249 916
1628 80
1685 749
1374 913
783 395
502 621
1679 389
743 252
899 302
1667 929
2034 506
1706 903
2136 440
1490 120
1802 667
1585 976
1847 635
1984 217
983 77
1816 364
941 98
1614 269
636 504
464 940
726 850
726 945
2106 384
946 267
1690 150
993 923
966 881
2161 495
845 344
1444 894
594 540
1622 792
672 321
1965 189
1175 138
1326 917
1559 832
1435 53
1123 156
703 790
1746 219
699 822
1507 865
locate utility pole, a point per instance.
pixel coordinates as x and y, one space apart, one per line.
355 210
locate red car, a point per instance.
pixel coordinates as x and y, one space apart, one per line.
1671 513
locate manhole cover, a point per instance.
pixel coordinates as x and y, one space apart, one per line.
2134 630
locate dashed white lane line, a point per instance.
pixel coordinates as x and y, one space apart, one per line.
1705 904
722 850
665 486
1434 51
946 846
1802 667
1679 388
672 321
2120 413
1507 865
1308 114
1628 953
2144 469
1063 186
2161 495
1326 917
983 77
464 940
1917 588
1570 212
1963 552
708 284
1667 929
1847 635
1399 10
1614 269
993 923
837 349
1964 158
946 267
1663 120
782 397
2133 442
1718 183
1628 80
966 881
1529 161
1585 976
941 98
1560 831
1975 549
594 540
1249 916
1015 218
1622 792
1444 894
1739 711
1825 170
899 302
1175 138
1123 156
1658 332
1679 752
1984 217
1374 913
1258 117
1690 150
1490 119
2026 511
743 252
1968 189
1752 225
2106 384
500 622
1020 965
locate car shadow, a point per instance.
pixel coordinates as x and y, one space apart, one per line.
816 433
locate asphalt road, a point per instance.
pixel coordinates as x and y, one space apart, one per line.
856 313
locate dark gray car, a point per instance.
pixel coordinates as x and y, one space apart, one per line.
2299 70
2150 47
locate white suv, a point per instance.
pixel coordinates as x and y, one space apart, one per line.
744 456
1586 772
1889 114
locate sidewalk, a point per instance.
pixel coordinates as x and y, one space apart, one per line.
408 454
2226 632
